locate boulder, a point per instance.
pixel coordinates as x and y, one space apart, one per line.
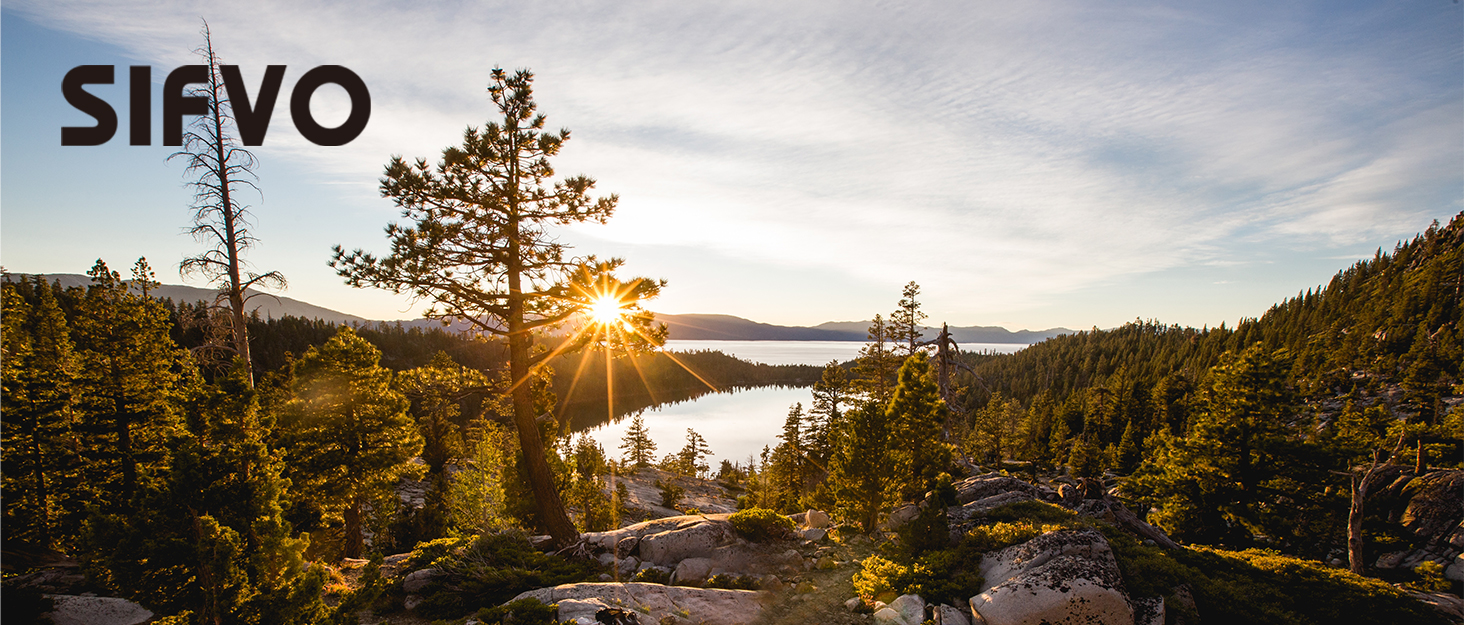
947 615
1455 570
420 579
812 519
1149 611
813 533
886 616
692 571
581 611
910 607
1066 576
665 541
656 602
74 610
1435 504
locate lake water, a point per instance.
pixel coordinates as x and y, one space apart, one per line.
737 424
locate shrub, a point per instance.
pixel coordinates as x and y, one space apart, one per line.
522 612
731 582
494 568
757 524
1001 535
653 575
1431 577
879 578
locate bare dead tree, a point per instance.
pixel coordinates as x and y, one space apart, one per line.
221 170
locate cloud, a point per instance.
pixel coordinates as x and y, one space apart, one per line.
1020 150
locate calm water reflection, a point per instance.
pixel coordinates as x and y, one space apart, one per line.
736 423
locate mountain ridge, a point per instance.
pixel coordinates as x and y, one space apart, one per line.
690 326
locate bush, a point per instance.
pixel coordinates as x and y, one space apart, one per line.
758 524
653 575
1002 535
1032 510
879 579
1431 577
730 582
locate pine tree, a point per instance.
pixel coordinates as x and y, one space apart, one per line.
436 391
220 218
905 321
38 366
692 457
479 249
210 539
877 365
859 470
831 396
637 446
917 416
128 391
347 432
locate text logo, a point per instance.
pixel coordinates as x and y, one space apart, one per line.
252 119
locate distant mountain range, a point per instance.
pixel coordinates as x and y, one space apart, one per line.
682 327
727 327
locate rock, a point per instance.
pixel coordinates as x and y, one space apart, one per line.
1391 560
910 607
852 605
693 540
826 563
813 533
418 580
692 571
983 486
627 566
902 515
1435 504
1455 570
606 577
771 583
805 587
1066 576
656 602
947 615
1149 611
74 610
886 616
410 602
816 519
1446 604
982 506
580 610
1069 495
607 559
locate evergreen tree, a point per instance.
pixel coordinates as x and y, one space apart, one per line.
905 321
860 468
436 392
210 541
38 365
348 433
693 456
831 396
917 415
479 248
128 391
636 445
877 365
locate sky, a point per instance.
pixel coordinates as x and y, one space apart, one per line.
1030 165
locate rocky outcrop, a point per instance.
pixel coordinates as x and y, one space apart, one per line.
653 603
73 610
1067 576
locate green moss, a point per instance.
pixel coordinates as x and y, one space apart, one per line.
758 524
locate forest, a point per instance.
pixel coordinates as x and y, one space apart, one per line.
216 467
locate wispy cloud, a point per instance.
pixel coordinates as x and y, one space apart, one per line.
1001 154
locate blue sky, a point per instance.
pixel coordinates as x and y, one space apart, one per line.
1029 164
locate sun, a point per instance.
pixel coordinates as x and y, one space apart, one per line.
606 310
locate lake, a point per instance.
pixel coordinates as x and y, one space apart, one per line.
738 423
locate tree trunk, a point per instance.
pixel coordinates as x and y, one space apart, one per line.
354 543
1354 523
